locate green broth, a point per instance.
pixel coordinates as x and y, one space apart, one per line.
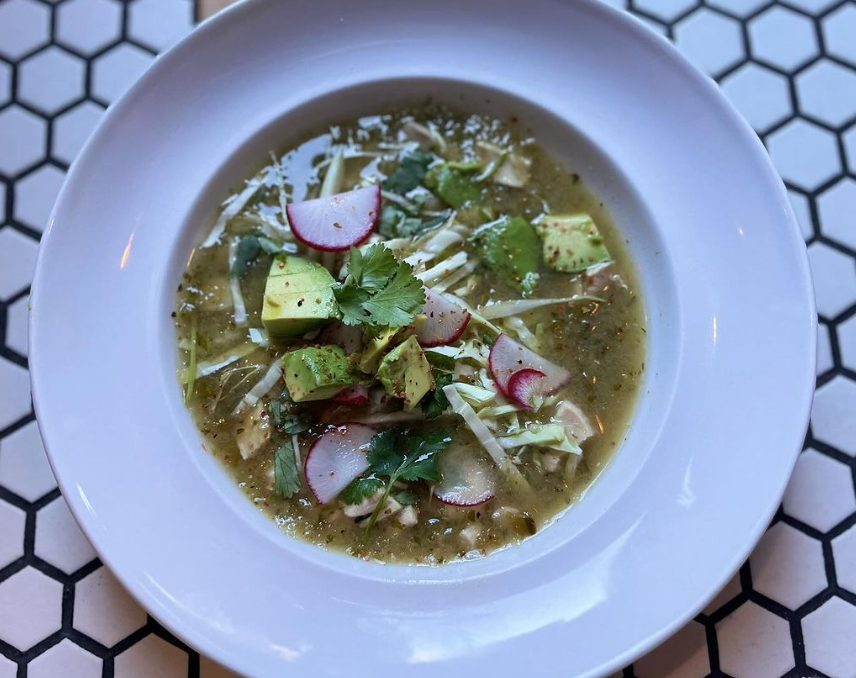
602 343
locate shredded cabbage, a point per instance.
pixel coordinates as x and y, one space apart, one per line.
240 315
457 276
217 363
503 309
552 436
262 387
258 336
229 211
523 333
443 269
498 411
475 395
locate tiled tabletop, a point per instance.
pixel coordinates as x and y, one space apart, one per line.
789 67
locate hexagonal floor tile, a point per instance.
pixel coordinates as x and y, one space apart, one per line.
836 207
117 70
827 92
741 8
761 95
812 6
15 394
832 420
89 26
103 610
844 554
16 325
51 80
159 23
152 656
24 467
712 41
820 492
31 604
2 202
754 643
24 26
59 540
684 655
72 129
23 137
666 10
12 521
805 154
728 593
18 256
849 139
65 659
828 633
839 27
211 669
847 342
5 83
787 566
782 38
824 349
8 669
35 195
834 277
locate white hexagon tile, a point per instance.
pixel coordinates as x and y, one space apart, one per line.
788 66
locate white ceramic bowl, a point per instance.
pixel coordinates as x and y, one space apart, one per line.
729 373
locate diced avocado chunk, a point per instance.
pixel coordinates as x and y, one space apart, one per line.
511 247
316 372
298 296
452 185
405 372
572 242
374 347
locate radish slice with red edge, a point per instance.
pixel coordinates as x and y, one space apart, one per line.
347 337
336 458
337 222
507 357
467 478
524 386
354 396
444 321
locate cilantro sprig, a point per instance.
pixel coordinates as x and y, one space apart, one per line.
286 477
409 455
379 290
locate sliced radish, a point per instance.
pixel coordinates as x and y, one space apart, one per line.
353 396
507 357
336 458
524 386
467 478
348 337
444 322
334 223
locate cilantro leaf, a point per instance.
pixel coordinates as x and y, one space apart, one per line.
411 455
378 266
285 474
435 403
397 303
245 254
379 290
361 488
409 173
383 456
350 299
287 416
406 497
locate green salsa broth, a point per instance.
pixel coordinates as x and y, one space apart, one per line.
602 344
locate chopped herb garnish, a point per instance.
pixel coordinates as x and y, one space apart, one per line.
247 252
406 497
410 455
435 403
379 290
410 173
285 473
361 488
